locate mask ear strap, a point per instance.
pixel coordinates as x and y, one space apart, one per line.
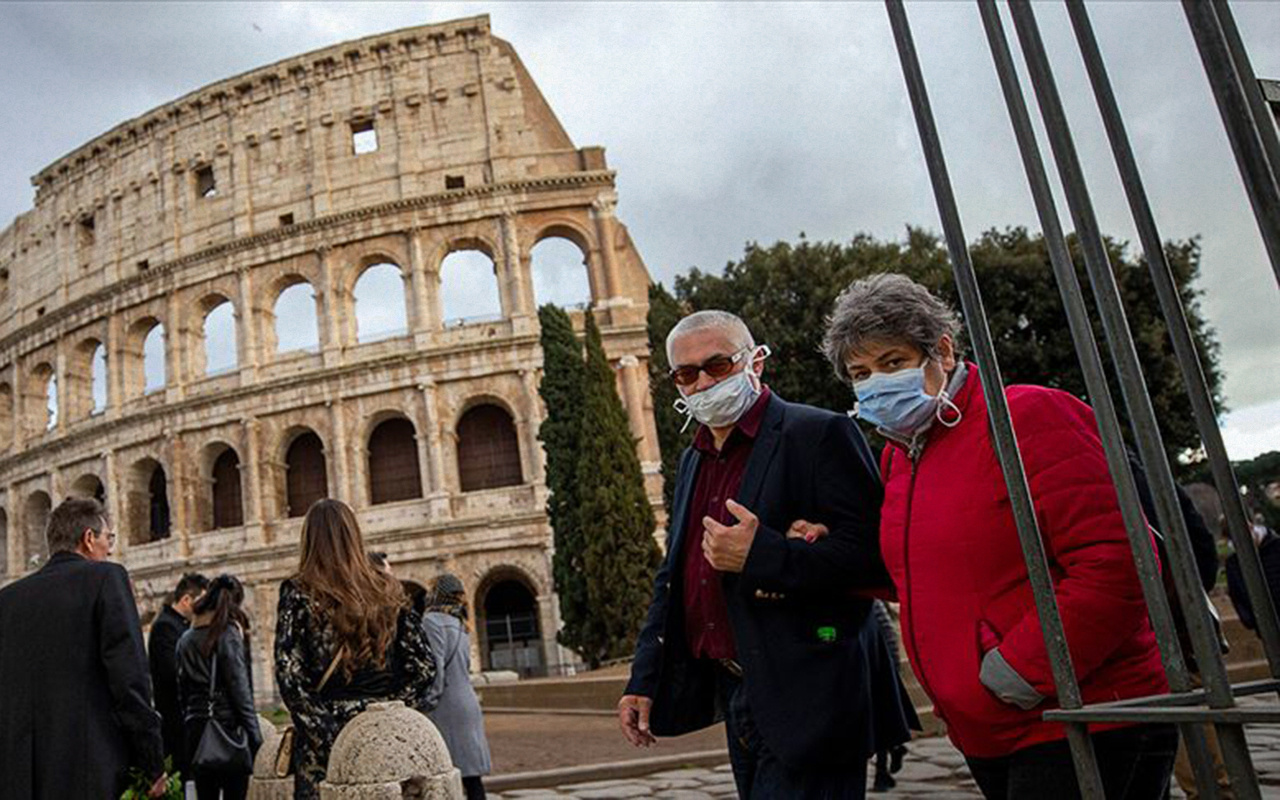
682 407
945 404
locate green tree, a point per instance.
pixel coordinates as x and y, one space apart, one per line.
617 521
561 388
664 313
785 291
1254 476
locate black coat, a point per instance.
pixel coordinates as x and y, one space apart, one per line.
1269 555
809 693
162 645
232 697
75 693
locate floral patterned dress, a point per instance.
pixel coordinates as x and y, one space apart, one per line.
304 650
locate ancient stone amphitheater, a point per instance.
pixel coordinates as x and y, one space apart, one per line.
318 278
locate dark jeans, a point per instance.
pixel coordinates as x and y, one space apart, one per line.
759 775
227 787
1135 764
473 787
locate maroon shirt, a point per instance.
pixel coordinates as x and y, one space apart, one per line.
706 616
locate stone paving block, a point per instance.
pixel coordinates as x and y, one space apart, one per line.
683 794
605 784
923 771
674 783
687 772
633 789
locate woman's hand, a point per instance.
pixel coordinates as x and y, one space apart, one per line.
809 531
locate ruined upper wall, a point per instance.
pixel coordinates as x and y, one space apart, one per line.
451 108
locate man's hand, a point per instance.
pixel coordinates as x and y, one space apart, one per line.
633 716
726 547
158 788
809 531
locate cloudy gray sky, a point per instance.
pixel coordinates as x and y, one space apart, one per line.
735 123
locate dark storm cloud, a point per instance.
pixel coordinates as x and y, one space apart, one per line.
730 123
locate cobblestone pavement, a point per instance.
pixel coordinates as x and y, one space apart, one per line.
933 769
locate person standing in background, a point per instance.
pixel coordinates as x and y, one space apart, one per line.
162 645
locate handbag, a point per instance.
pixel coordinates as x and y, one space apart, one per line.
221 750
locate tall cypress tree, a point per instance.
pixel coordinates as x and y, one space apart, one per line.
617 522
561 389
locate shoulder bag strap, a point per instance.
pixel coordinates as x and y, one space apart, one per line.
213 678
333 665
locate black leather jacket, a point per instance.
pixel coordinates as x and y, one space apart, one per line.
233 698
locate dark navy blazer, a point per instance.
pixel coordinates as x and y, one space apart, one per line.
802 637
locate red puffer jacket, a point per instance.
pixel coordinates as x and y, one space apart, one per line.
948 537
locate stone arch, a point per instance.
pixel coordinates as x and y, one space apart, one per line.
220 504
218 352
144 356
35 518
469 290
395 472
508 621
306 478
41 399
294 316
560 266
90 487
87 379
488 447
147 506
379 299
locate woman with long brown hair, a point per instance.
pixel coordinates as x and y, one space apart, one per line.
215 683
346 636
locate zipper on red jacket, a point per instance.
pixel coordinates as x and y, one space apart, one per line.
906 578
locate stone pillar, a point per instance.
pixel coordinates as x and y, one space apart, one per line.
251 471
17 531
520 280
633 395
115 365
434 462
175 346
115 496
56 487
247 326
390 750
63 391
602 213
179 496
329 310
340 471
424 318
535 461
20 379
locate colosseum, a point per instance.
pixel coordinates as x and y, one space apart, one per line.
318 278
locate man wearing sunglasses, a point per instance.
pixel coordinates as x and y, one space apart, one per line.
747 625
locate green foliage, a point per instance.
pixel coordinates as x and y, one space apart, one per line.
664 313
616 519
784 293
1254 476
561 389
140 785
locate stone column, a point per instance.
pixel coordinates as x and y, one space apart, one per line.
17 533
633 394
434 462
179 496
602 213
532 422
115 365
329 311
247 326
19 405
251 476
519 279
423 318
115 507
60 385
337 455
175 346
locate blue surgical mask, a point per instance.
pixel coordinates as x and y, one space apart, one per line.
898 403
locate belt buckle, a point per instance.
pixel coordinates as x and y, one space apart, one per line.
734 668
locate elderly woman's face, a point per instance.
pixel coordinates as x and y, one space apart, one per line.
881 357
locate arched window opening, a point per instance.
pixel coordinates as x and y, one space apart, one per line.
158 489
89 487
380 303
51 402
6 416
228 508
4 543
35 516
98 379
295 319
305 478
40 400
560 273
511 633
488 449
393 462
469 288
153 360
220 339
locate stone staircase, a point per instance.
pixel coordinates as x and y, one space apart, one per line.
598 692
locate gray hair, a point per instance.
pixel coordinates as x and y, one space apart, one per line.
731 325
71 519
885 309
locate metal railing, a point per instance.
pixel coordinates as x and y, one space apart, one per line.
1253 138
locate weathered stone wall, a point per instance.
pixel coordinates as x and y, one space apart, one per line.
121 240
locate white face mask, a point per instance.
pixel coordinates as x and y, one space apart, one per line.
724 403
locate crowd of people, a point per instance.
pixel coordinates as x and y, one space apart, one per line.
86 708
786 535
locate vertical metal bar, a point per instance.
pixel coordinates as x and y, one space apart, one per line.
1148 570
1006 444
1241 127
1180 333
1249 83
1133 387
